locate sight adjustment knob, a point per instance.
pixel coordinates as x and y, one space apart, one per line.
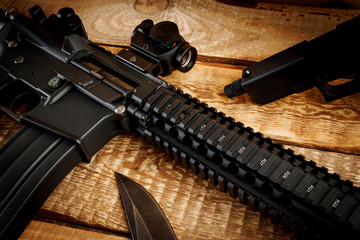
146 26
165 34
65 13
69 22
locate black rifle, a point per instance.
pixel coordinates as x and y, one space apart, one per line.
306 65
87 95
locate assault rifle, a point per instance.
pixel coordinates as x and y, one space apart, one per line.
87 95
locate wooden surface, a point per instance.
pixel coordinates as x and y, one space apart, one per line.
87 205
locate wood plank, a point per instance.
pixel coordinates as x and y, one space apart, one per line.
88 196
347 166
305 8
214 28
49 230
352 4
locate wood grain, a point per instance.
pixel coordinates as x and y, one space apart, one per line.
347 166
86 204
214 28
41 230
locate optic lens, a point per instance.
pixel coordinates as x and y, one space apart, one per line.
187 58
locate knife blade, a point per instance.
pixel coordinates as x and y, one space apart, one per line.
146 219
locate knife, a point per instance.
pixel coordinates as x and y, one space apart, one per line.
145 217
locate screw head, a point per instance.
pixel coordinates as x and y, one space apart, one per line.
54 82
121 109
246 73
145 118
19 59
13 44
133 59
10 13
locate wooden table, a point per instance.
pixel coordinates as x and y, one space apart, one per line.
86 204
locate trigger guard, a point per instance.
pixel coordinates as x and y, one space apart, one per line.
13 95
333 92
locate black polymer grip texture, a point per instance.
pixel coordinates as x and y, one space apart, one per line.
292 191
32 163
